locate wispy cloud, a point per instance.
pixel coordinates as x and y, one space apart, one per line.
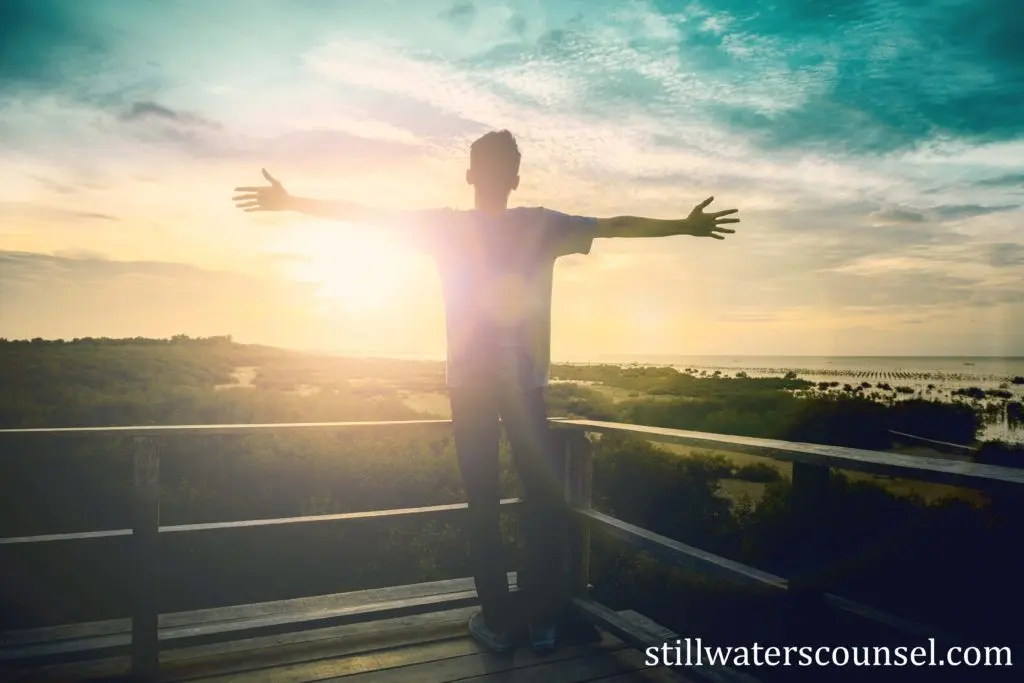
150 111
1008 180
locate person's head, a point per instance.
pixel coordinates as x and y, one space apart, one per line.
494 166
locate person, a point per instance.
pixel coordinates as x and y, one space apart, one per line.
496 265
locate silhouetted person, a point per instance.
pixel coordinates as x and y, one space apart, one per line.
496 269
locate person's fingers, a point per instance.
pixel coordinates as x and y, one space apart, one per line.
272 179
721 221
252 188
718 237
705 202
243 205
256 208
731 232
724 213
245 197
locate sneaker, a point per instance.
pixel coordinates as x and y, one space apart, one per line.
542 637
495 641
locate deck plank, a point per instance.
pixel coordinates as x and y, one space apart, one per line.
268 651
240 612
429 647
346 667
566 665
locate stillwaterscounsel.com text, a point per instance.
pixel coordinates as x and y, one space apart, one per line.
693 652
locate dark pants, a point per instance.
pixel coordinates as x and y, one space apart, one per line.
475 412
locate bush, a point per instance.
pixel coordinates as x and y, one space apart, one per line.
1001 453
955 423
760 472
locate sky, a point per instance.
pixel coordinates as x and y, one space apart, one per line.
874 149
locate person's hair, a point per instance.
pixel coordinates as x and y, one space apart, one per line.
496 151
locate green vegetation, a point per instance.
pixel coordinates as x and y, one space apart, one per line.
940 559
787 408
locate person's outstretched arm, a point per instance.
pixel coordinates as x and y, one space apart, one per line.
697 224
274 197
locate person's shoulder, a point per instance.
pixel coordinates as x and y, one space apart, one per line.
553 219
528 214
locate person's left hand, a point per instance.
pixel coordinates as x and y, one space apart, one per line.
271 197
702 224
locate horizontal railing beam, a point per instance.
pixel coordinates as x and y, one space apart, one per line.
169 430
680 555
937 470
430 512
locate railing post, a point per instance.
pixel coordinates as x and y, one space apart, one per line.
146 542
809 525
579 477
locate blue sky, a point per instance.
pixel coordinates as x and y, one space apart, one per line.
875 150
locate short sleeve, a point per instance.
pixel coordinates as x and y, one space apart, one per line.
565 234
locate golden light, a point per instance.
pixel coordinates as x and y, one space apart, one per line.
352 268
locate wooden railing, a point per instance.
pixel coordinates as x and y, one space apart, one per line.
811 466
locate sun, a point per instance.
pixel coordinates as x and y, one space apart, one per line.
351 267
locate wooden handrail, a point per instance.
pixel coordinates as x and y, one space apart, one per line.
431 512
921 468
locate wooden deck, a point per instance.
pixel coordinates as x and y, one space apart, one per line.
425 648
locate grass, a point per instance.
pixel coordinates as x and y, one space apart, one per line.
433 403
735 489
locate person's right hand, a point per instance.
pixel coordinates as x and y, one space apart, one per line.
271 197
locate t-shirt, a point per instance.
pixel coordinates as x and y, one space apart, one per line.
496 275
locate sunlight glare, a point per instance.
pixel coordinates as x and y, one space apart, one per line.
352 268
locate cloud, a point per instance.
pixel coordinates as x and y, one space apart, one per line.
936 214
1007 180
78 254
517 23
56 186
149 111
896 215
899 74
340 150
461 13
1006 255
14 210
961 211
38 37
